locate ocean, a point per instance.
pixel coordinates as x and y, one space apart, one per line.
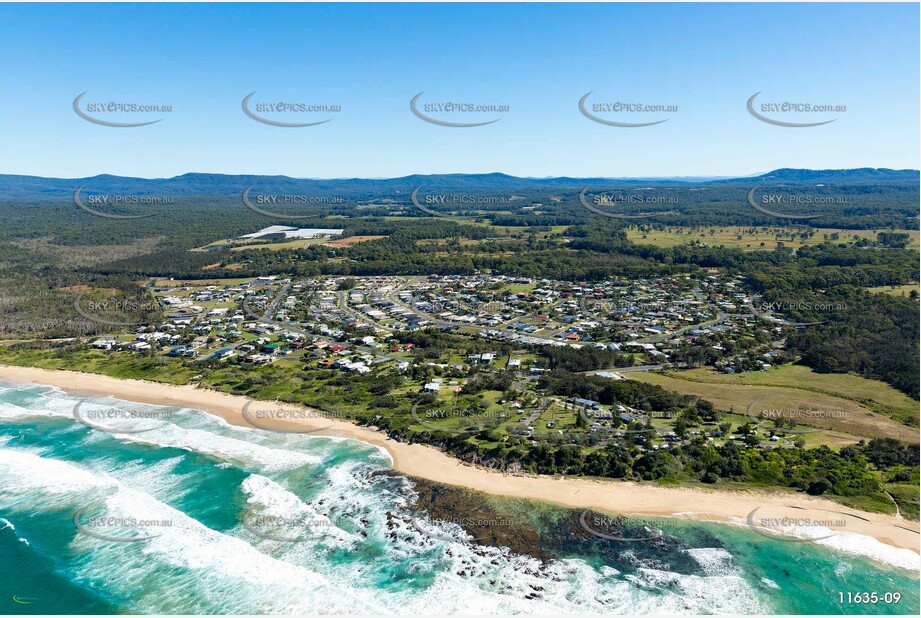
131 508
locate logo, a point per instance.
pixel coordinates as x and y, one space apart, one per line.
79 203
789 413
612 215
453 413
779 215
112 305
621 528
774 320
97 527
429 304
454 108
266 213
414 197
285 529
587 418
113 106
623 107
264 319
417 517
88 417
260 419
787 107
764 526
285 107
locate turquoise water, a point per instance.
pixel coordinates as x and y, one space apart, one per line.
191 515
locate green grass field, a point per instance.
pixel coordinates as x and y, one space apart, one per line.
863 408
117 365
896 290
763 238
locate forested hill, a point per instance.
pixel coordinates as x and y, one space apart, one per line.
15 187
859 175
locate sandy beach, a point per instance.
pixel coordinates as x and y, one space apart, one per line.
429 463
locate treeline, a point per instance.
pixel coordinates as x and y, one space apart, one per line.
641 395
873 335
876 337
586 358
816 471
56 303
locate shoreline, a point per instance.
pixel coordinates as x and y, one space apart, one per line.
427 462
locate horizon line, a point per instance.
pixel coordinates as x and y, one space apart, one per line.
493 173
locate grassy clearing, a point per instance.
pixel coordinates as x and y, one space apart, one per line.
896 290
906 496
749 238
873 394
116 365
297 243
839 414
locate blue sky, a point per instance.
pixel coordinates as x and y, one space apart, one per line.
537 59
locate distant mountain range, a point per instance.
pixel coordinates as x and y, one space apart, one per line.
16 187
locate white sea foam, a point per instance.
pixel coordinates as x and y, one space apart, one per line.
6 524
474 579
221 567
274 501
467 578
11 411
850 543
48 475
232 572
170 434
713 560
861 545
297 440
223 447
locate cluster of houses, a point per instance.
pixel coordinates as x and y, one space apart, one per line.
652 317
649 317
